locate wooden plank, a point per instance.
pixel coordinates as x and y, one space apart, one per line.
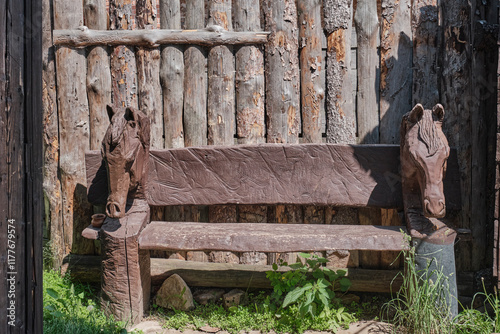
87 37
52 185
269 237
321 174
340 106
282 72
427 35
98 74
195 80
33 138
483 126
312 93
148 73
367 28
456 71
71 66
224 275
172 77
123 62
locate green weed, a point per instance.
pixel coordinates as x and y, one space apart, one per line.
67 309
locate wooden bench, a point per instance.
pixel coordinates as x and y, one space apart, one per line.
268 174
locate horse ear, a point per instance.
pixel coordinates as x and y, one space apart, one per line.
110 111
142 123
438 110
416 113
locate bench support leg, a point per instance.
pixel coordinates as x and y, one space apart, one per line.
435 253
126 277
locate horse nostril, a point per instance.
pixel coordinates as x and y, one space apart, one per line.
113 210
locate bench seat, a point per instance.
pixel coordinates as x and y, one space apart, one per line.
245 237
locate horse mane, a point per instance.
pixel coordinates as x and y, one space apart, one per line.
428 133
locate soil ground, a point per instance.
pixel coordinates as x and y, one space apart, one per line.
361 327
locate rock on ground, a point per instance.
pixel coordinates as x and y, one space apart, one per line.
175 294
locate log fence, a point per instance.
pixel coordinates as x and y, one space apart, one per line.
275 71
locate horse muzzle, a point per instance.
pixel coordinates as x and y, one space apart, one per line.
115 210
434 208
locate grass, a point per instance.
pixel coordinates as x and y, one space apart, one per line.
69 309
259 314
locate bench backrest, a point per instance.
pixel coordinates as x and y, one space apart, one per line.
309 174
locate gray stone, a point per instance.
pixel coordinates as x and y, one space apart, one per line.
175 294
203 297
234 297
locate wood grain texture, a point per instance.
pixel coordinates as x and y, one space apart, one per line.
456 95
87 37
123 62
282 72
396 81
98 74
51 183
312 92
367 29
126 275
74 132
195 80
148 73
86 269
427 35
172 77
250 96
269 237
395 68
340 106
321 174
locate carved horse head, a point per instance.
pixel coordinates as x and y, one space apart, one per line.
125 150
424 152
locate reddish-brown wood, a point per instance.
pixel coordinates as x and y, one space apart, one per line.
321 174
269 237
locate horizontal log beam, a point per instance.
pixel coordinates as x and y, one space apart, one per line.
152 38
280 238
86 268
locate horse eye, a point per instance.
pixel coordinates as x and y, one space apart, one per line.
132 124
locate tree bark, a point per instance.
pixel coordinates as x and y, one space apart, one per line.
71 67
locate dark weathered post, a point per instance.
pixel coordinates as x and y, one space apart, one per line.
51 183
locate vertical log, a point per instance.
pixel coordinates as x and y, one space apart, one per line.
220 109
71 67
282 93
148 74
250 116
395 87
340 107
426 39
195 101
221 71
51 184
483 125
456 98
98 74
172 77
312 92
282 72
367 28
123 63
195 80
